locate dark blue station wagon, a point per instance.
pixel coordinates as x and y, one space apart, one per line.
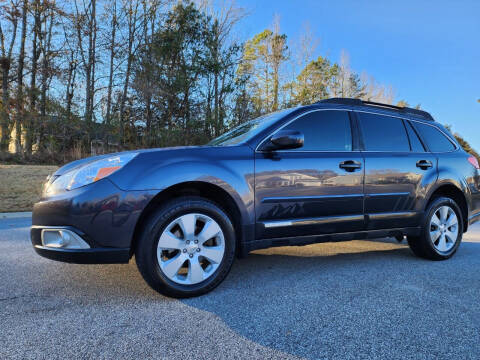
336 170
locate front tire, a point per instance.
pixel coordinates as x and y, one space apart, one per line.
186 248
442 230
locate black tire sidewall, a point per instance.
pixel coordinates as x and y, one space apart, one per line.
146 251
433 207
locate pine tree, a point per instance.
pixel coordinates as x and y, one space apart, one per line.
263 57
314 82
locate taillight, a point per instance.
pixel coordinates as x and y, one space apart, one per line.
473 160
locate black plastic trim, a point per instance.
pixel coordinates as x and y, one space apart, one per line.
312 239
277 199
85 256
474 218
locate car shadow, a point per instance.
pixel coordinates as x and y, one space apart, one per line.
316 301
319 302
274 267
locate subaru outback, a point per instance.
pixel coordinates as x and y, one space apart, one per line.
337 170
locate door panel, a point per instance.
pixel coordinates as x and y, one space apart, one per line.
396 178
307 193
394 187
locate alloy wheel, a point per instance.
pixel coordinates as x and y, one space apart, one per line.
191 248
444 228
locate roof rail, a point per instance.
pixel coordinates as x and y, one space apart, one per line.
359 102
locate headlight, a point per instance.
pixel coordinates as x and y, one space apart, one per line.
89 173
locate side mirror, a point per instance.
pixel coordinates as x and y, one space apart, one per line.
286 139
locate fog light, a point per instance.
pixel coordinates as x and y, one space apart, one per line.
62 239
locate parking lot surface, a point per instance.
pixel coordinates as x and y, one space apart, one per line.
348 300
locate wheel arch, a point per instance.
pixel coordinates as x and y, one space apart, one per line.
202 189
452 191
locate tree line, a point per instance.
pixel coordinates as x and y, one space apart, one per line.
150 73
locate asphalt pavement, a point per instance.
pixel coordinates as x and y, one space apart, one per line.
348 300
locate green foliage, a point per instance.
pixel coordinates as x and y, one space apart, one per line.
262 59
314 82
176 71
161 74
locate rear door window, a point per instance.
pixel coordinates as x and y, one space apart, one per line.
435 140
383 133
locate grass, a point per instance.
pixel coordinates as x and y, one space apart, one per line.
21 186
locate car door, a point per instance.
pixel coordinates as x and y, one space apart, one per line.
315 189
397 171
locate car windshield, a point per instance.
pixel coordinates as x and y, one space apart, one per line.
247 130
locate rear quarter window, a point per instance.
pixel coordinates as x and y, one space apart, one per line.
435 140
415 142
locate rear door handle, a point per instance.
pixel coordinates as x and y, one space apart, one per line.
424 164
350 165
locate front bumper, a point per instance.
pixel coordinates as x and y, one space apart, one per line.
103 215
88 256
95 255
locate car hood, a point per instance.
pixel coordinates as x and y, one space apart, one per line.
78 163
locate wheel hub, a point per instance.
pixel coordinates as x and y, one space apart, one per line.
191 248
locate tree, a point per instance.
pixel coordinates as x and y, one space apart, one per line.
403 103
151 73
314 82
263 57
177 61
278 56
47 68
346 83
222 61
303 53
21 62
373 91
29 121
305 47
144 80
133 18
464 143
11 14
85 23
112 45
71 73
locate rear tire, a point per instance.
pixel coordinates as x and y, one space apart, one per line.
186 248
442 230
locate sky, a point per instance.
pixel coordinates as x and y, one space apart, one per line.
428 51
